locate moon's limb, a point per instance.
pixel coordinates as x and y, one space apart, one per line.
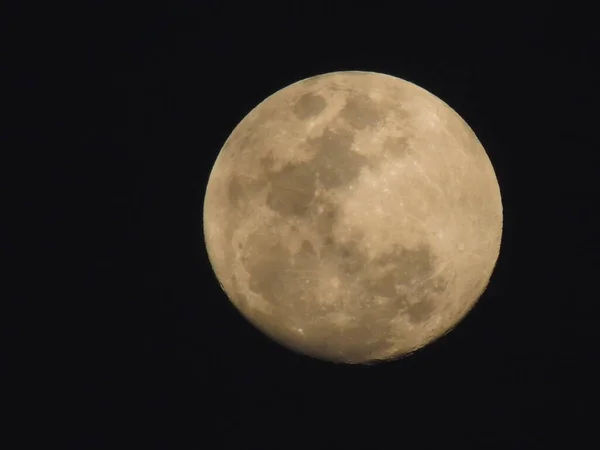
353 216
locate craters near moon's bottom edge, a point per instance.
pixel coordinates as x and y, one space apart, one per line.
352 318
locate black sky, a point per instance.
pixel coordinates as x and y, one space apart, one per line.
119 335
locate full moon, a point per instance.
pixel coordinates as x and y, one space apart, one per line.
353 217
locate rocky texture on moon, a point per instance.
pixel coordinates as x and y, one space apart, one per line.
353 217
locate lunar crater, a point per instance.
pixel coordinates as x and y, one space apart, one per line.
293 188
397 146
361 112
309 105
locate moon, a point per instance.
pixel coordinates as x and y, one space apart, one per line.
353 217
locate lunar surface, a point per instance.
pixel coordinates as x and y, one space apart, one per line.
353 217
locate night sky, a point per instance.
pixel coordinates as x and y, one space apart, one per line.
117 333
